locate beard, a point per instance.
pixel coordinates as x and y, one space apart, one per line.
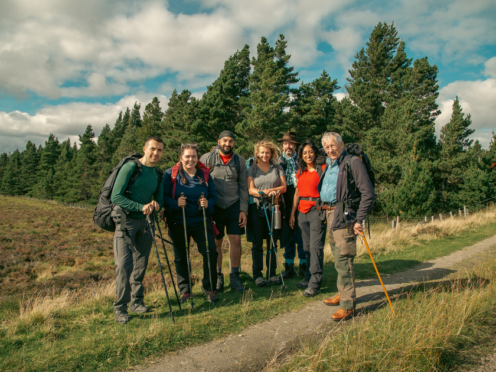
289 152
226 150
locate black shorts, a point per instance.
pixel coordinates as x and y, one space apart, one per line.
227 219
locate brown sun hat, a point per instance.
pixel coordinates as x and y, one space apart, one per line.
290 137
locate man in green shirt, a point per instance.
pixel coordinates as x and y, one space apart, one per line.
132 239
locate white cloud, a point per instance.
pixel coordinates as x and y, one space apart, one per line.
476 98
490 66
64 121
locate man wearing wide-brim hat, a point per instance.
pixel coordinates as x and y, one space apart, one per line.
291 239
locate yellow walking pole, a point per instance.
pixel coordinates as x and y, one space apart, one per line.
377 271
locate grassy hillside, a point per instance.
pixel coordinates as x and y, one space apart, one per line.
57 278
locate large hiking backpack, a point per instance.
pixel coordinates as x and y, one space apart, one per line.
103 210
354 149
210 167
175 171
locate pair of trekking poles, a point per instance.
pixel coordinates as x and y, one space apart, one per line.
186 240
272 245
186 243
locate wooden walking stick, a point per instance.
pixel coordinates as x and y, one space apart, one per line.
377 271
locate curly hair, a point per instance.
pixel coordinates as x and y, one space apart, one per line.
319 159
274 150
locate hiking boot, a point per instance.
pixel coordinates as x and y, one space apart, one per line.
185 297
310 292
303 284
289 271
343 314
275 280
302 270
236 283
122 317
139 308
220 283
211 296
260 282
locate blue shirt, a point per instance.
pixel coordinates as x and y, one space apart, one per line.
192 191
330 182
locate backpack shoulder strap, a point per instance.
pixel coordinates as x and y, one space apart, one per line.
238 166
175 171
136 172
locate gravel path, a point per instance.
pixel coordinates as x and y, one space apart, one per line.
251 350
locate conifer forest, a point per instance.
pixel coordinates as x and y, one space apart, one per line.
390 109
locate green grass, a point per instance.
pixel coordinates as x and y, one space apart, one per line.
440 326
78 331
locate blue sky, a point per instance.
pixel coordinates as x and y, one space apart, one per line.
65 64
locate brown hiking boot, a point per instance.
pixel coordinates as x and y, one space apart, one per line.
343 314
333 301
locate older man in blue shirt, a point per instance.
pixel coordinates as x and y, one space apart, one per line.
346 207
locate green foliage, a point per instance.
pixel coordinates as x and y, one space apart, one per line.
390 109
314 107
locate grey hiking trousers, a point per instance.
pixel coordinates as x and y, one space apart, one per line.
132 244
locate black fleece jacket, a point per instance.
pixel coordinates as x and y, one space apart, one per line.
365 191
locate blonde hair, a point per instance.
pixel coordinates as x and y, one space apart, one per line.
274 150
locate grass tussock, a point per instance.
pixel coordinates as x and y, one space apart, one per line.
438 327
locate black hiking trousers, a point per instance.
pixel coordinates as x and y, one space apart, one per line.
197 232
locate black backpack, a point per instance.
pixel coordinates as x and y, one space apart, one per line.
354 149
102 212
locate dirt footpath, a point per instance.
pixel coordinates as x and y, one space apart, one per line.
251 350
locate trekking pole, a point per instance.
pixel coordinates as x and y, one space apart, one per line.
186 242
150 223
274 245
377 271
166 258
206 243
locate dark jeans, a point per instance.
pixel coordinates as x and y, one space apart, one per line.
261 232
313 231
293 237
197 232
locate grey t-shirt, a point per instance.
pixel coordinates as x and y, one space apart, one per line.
267 180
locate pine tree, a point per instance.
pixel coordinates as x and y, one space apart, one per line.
4 162
313 107
128 143
178 121
475 189
29 168
265 117
221 107
84 176
11 181
62 169
415 194
452 164
49 156
151 123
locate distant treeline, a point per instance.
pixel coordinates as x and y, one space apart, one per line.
390 110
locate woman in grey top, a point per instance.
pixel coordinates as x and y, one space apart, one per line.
263 175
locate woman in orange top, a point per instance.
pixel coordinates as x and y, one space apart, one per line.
313 228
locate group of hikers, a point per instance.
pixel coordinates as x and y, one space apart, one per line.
292 197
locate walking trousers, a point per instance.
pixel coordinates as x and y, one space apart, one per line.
261 232
132 244
343 246
197 232
313 231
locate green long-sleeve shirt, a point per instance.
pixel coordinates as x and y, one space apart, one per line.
145 189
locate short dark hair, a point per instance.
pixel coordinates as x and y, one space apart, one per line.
154 138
